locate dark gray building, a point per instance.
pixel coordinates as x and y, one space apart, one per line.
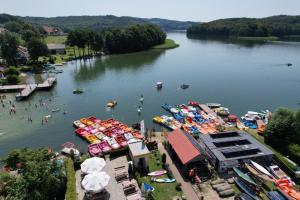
225 150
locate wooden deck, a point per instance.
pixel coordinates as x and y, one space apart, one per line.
206 109
27 90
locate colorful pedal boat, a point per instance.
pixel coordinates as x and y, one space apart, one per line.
94 150
92 139
137 135
78 124
104 146
81 132
121 141
94 119
86 121
113 143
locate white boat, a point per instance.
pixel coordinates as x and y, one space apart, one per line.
278 173
213 105
68 151
159 85
261 169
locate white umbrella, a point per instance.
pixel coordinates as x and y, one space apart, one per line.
95 182
92 165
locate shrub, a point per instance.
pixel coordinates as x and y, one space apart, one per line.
71 181
178 187
12 79
26 69
11 71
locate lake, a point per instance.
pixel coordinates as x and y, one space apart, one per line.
240 76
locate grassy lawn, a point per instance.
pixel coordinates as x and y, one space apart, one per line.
169 44
164 191
56 39
269 38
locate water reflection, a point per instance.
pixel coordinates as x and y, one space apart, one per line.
227 40
94 68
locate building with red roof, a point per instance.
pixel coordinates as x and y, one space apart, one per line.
183 146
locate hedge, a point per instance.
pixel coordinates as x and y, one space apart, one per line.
71 180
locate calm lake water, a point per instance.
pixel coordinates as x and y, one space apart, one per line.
239 76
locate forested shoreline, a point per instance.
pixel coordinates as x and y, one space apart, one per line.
117 40
278 26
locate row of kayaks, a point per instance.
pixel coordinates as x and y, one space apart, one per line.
188 117
105 135
160 180
256 172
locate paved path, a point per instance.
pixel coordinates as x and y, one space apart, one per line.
186 186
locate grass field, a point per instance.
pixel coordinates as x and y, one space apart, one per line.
164 191
56 39
169 44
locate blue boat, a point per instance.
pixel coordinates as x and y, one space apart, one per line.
275 195
246 188
166 106
178 117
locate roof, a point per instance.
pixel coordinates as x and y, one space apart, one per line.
138 149
183 147
56 46
234 145
49 29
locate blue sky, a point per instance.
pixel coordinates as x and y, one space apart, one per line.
195 10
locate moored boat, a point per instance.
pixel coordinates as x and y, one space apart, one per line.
77 91
157 173
278 173
261 169
94 150
111 103
213 105
246 188
164 180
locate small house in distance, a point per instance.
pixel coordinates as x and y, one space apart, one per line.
139 154
52 31
57 48
226 150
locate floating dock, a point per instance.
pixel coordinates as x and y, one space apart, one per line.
206 109
27 90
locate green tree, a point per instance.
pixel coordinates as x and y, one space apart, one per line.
39 176
11 71
280 129
37 48
9 43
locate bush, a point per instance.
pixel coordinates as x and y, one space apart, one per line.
26 69
178 187
71 180
11 71
12 79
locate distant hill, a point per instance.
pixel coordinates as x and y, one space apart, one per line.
103 22
281 25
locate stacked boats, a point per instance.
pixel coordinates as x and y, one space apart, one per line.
189 118
105 136
260 175
256 120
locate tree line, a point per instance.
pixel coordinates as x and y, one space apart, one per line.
249 27
283 132
117 40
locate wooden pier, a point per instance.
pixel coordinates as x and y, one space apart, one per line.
206 109
27 90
